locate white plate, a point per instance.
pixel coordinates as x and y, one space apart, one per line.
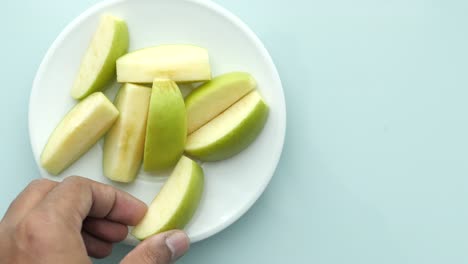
232 186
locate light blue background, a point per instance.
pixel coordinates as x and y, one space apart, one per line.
374 168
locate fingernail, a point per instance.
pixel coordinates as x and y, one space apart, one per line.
178 243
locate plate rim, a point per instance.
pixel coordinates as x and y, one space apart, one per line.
227 15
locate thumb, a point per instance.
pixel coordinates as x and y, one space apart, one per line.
163 248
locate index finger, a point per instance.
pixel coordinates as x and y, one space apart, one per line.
76 198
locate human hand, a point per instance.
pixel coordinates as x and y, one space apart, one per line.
66 222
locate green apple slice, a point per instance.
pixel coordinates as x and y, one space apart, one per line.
124 144
215 96
231 132
176 203
166 131
79 130
109 42
180 63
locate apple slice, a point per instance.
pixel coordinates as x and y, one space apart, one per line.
215 96
124 144
166 131
176 203
231 132
180 63
109 42
79 130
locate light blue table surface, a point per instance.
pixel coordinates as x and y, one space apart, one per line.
375 165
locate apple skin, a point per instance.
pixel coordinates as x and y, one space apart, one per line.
180 63
125 141
233 142
166 131
78 131
212 98
186 202
102 76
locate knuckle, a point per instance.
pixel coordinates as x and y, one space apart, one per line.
74 180
156 255
149 256
108 190
39 182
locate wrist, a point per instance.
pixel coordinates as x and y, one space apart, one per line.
6 246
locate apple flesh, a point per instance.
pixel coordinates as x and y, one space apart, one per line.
124 144
215 96
109 42
180 63
176 203
231 132
79 130
166 131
